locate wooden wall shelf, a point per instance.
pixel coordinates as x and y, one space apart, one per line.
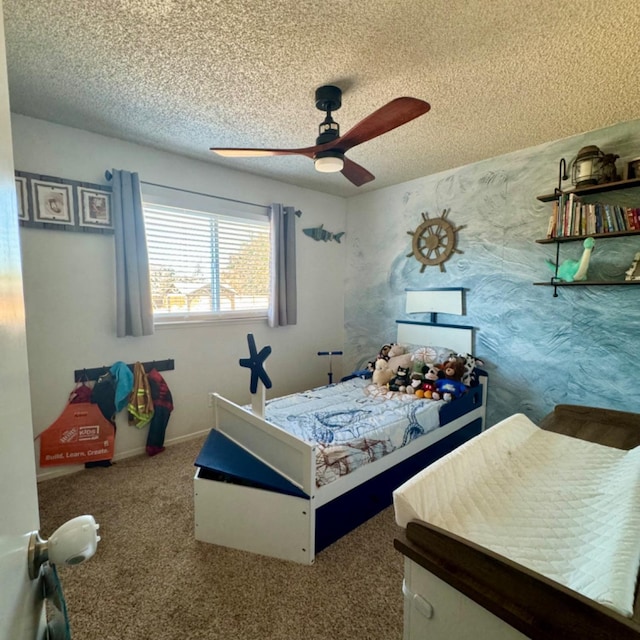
586 283
585 191
594 189
611 234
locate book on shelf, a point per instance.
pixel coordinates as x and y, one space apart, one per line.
575 216
553 221
572 217
609 221
568 227
591 219
598 214
630 222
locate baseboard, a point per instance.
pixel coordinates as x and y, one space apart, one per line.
65 470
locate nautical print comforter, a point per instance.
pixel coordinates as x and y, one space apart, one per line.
350 427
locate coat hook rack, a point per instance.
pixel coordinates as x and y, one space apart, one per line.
85 375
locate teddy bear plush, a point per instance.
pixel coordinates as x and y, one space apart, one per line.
453 368
382 374
398 358
395 356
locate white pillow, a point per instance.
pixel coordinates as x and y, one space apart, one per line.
429 354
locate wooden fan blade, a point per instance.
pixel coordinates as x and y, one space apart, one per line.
355 173
256 153
392 115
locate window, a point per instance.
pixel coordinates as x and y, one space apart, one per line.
205 265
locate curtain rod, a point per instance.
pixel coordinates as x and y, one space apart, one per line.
108 176
207 195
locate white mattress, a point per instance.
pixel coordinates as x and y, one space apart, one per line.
566 508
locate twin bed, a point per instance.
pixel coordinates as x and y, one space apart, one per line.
312 466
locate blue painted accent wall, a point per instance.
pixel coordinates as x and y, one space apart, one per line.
582 347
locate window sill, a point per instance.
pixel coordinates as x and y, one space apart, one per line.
167 322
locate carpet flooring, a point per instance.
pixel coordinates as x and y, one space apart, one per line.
150 578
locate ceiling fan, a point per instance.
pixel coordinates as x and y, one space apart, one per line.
328 152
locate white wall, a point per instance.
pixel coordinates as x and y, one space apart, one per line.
69 289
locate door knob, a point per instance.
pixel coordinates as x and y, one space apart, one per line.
72 543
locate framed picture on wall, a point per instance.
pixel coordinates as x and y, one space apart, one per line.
52 202
21 196
95 208
633 169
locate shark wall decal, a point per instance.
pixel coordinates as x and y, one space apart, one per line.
320 233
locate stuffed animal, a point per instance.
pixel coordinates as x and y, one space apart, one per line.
395 356
430 376
398 358
574 270
415 382
383 354
382 374
453 368
470 376
448 390
401 380
384 351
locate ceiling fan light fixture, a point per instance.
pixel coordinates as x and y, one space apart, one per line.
329 161
330 148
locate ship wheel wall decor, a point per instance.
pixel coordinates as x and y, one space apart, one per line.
434 241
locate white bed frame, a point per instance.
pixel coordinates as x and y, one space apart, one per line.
284 526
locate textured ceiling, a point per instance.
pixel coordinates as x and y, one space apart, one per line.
185 75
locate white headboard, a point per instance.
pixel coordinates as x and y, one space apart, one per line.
456 337
436 300
440 300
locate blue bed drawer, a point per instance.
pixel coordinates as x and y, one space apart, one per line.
351 509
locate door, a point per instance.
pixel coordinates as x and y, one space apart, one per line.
21 611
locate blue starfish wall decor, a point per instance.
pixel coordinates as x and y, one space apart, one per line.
255 362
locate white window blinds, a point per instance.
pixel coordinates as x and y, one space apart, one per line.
205 265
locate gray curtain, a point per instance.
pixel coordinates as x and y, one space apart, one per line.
283 309
134 310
